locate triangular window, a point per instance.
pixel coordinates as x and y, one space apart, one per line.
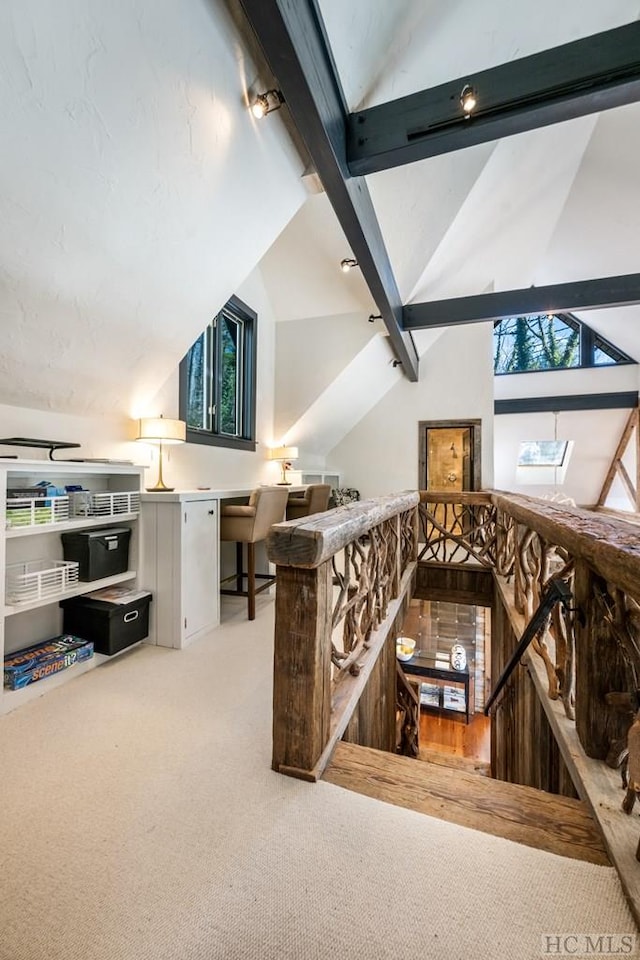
550 341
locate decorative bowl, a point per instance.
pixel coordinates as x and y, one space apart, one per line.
405 648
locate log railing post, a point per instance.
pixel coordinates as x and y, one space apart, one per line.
600 669
302 667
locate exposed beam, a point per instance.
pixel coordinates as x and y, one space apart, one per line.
555 298
292 36
572 80
622 400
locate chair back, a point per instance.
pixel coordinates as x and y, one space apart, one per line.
318 495
271 506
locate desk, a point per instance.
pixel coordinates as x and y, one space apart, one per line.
423 666
180 561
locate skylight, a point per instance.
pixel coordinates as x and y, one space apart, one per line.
542 453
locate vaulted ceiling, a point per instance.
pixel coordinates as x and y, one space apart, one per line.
137 192
549 205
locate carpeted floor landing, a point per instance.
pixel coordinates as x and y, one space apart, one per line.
141 821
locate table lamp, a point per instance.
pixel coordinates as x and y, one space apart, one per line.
161 431
285 455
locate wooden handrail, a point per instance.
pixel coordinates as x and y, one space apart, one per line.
310 541
607 544
471 498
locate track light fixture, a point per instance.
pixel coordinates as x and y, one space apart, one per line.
266 102
468 99
347 264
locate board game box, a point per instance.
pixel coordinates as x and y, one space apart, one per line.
44 660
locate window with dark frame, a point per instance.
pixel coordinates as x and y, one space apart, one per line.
218 380
550 342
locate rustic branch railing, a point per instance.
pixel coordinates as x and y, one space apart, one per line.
591 647
457 528
342 579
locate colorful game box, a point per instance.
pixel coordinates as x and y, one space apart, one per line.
44 660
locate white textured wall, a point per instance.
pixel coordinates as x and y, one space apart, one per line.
595 433
185 466
309 355
130 196
380 455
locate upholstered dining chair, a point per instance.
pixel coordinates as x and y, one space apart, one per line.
250 524
315 499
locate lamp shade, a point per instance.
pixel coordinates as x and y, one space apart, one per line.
283 453
162 430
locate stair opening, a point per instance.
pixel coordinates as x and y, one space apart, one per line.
453 728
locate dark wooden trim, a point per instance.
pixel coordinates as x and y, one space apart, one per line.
292 36
621 291
572 80
454 583
476 444
577 401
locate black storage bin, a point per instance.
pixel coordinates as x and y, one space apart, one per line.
100 553
110 626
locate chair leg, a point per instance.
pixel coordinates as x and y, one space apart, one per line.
251 576
239 566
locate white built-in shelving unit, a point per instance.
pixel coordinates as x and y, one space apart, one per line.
39 619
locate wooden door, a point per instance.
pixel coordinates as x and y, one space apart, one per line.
449 455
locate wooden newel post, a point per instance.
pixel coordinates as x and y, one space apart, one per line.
302 668
599 670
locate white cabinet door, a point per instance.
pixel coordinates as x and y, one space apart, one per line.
180 565
199 566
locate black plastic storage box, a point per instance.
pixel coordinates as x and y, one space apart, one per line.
100 553
111 627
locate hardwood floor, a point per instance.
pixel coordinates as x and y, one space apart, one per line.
451 735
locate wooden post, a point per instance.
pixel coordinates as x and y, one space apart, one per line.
302 668
617 465
599 670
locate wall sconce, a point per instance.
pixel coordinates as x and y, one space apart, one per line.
347 264
374 316
468 99
285 455
157 430
396 363
454 452
266 102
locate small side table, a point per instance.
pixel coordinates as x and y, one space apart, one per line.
423 666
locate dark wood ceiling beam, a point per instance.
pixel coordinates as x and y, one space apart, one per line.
292 36
556 298
572 80
575 401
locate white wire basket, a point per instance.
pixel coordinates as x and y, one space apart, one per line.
88 504
34 511
39 580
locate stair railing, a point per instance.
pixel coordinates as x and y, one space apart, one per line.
344 580
557 591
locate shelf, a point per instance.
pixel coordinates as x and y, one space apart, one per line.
86 586
16 698
80 523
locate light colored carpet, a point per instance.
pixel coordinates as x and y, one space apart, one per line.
141 821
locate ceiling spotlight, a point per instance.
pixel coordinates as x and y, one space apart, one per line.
347 264
468 99
266 103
